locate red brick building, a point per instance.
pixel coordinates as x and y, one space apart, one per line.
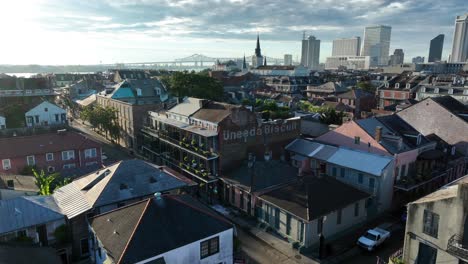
51 152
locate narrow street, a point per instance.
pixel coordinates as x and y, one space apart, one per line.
389 247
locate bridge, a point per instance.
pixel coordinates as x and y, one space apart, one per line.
195 61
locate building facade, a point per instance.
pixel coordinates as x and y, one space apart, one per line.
397 57
460 40
187 231
348 62
204 138
46 114
437 227
435 49
346 47
132 99
376 44
50 152
310 55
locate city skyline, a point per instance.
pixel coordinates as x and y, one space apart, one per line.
64 32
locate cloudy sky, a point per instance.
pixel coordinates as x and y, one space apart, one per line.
110 31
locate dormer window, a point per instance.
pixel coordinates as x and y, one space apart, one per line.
408 86
397 85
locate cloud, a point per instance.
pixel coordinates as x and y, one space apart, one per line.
414 22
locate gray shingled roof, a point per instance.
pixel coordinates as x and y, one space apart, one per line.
122 181
152 227
26 211
328 195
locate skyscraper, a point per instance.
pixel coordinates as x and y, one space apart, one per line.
435 49
310 52
288 59
376 44
460 39
397 57
257 58
346 47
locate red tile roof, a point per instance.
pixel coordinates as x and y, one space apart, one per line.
45 143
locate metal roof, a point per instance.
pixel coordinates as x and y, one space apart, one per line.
119 182
349 158
26 211
361 161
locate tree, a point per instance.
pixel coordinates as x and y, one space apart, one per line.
366 86
193 84
330 116
48 183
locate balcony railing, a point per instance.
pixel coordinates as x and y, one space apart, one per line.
410 183
457 248
186 145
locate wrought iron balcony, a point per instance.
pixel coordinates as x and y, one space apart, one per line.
457 248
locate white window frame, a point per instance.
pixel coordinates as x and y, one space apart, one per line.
89 153
50 169
47 156
33 160
5 167
67 154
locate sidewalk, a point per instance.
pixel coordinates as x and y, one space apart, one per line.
290 255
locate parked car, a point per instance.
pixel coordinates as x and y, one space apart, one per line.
373 238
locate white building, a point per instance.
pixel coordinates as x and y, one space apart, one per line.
163 229
46 114
377 44
2 122
460 39
350 62
310 55
346 47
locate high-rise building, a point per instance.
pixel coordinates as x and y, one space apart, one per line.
310 52
460 39
418 59
435 49
346 47
288 59
376 44
397 57
257 58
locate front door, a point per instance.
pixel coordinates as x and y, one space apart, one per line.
42 232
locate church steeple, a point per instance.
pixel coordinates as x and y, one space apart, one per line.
264 61
258 52
244 64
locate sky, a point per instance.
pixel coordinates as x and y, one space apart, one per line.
58 32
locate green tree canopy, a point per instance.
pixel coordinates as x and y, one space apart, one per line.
193 84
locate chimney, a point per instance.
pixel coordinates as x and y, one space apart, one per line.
378 133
